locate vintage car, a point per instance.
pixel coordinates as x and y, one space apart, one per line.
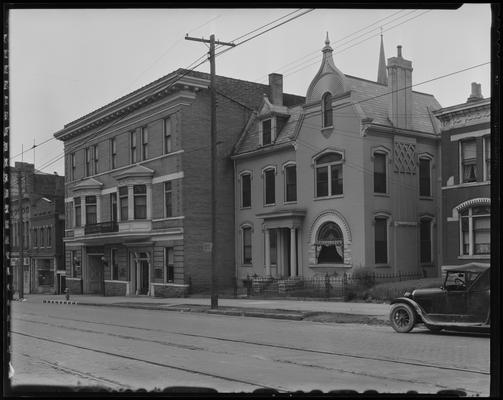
462 303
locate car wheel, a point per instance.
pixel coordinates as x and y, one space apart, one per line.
402 318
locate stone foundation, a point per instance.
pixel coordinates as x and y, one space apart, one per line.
170 290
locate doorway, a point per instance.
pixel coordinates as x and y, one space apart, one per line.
95 268
143 283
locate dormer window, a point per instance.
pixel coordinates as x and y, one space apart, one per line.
266 132
327 113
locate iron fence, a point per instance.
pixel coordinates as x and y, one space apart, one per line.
323 286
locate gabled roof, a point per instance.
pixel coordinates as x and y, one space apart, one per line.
135 171
89 183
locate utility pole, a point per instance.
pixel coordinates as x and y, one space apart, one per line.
20 274
213 96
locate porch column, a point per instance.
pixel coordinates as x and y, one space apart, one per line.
267 253
293 253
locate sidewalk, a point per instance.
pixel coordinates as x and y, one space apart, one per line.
326 311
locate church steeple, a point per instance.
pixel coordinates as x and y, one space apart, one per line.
382 74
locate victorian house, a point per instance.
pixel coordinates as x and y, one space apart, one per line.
137 192
466 179
347 179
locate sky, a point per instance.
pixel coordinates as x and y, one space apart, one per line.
64 64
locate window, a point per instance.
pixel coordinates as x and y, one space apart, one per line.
425 241
329 175
72 161
169 261
34 237
91 217
26 234
270 186
113 147
245 190
132 141
476 230
41 237
327 110
487 158
140 201
424 177
167 136
88 161
330 244
381 240
168 200
468 161
75 262
380 173
123 199
266 132
78 214
144 143
113 206
45 273
49 236
247 245
95 158
291 183
114 264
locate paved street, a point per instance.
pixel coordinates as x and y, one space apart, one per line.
124 348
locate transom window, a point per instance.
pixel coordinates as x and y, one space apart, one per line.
140 201
469 161
329 175
330 244
266 132
327 112
476 230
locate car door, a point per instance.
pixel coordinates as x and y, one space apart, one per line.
456 297
478 298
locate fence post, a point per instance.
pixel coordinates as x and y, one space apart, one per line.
327 286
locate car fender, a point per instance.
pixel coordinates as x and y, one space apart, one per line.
416 307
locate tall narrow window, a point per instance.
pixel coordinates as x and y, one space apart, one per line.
140 201
144 143
270 186
113 147
381 240
167 136
245 190
49 236
132 147
273 246
329 180
95 158
41 237
266 132
78 215
72 161
35 237
487 157
169 258
247 246
168 199
123 199
113 206
327 110
425 241
291 183
114 264
424 177
26 233
88 161
469 161
91 210
380 173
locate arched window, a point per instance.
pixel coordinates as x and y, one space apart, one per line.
329 175
330 244
327 110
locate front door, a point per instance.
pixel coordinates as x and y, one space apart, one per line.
95 268
143 284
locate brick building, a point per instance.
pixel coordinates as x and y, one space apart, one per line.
466 179
137 193
42 218
344 180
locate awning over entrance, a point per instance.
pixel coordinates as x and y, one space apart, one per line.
290 218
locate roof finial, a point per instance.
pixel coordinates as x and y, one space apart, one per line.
327 40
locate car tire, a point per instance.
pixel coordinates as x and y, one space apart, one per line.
402 317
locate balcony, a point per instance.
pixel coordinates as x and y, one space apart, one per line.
102 227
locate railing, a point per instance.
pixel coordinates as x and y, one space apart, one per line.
102 227
324 286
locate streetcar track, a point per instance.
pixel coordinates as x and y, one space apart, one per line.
279 346
72 371
157 364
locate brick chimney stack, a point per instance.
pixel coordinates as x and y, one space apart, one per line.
276 88
476 94
400 86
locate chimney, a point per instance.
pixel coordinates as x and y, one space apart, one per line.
276 88
400 86
476 93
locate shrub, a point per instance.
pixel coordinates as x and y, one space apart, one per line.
390 290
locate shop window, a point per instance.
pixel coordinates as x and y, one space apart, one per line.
45 273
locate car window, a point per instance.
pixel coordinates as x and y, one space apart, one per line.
482 283
455 281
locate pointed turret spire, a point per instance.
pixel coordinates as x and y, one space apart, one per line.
327 45
382 74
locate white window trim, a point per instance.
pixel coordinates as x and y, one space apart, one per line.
387 161
264 170
460 166
323 110
315 165
429 157
240 181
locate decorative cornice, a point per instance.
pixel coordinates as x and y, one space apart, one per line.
464 115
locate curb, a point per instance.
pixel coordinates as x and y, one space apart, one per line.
60 302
